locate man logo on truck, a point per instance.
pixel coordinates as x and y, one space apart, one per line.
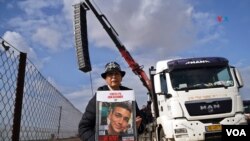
197 62
210 108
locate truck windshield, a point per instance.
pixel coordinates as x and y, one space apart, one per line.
200 78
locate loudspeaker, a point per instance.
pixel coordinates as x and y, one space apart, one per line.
81 37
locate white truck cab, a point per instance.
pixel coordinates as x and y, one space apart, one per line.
194 97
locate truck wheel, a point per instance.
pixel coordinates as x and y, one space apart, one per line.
162 136
153 136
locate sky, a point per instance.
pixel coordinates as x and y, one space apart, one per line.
151 30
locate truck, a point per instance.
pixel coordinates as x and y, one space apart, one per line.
189 98
195 97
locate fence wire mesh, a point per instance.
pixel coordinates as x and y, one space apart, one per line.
8 73
46 113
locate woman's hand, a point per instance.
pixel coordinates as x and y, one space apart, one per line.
138 120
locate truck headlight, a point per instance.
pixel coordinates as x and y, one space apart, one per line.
180 131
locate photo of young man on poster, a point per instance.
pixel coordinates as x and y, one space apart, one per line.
119 118
116 113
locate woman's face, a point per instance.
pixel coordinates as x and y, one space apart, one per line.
114 79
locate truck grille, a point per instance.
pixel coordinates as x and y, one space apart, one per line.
209 107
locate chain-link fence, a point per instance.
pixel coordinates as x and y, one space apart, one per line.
30 107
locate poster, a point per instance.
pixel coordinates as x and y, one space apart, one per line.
115 118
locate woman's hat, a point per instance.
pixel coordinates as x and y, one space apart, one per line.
112 66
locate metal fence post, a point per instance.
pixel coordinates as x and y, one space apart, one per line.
59 124
19 97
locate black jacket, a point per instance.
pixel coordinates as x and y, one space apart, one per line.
86 128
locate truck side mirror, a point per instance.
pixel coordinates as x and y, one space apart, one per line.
157 83
238 77
160 84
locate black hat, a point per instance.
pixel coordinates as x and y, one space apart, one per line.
112 66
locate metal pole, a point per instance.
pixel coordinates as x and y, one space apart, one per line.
59 124
19 97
